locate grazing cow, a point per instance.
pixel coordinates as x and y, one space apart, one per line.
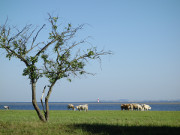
146 107
6 107
82 107
123 107
126 106
71 106
131 107
137 107
78 107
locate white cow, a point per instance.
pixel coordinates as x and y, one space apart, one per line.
137 107
78 107
6 107
82 107
146 107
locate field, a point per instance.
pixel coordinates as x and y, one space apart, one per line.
19 122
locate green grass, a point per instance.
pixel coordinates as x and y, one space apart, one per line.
21 122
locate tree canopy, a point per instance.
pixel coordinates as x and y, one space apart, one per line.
59 57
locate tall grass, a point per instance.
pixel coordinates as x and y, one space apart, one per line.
17 122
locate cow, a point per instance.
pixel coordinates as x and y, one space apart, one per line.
71 106
78 107
126 107
82 107
137 107
146 107
6 107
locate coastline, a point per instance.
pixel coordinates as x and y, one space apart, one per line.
93 102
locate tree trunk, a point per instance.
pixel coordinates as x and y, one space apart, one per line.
47 108
47 100
34 102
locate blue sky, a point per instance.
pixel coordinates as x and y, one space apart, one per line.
144 36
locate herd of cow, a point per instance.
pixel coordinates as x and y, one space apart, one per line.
79 107
133 106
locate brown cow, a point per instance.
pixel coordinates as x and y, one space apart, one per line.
71 106
126 106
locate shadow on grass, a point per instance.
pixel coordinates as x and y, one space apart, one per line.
104 129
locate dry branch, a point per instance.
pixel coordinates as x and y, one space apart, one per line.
42 98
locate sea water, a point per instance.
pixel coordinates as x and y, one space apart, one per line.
91 106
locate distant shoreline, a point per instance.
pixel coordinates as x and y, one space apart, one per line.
158 106
97 102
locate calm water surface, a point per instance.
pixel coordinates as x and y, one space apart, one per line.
92 106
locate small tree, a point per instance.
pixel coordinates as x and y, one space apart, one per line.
67 59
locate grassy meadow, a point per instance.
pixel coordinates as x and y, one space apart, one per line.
25 122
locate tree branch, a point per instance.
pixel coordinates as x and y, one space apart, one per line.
18 56
42 100
32 47
34 39
45 47
19 32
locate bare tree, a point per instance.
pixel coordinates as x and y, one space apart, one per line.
60 56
